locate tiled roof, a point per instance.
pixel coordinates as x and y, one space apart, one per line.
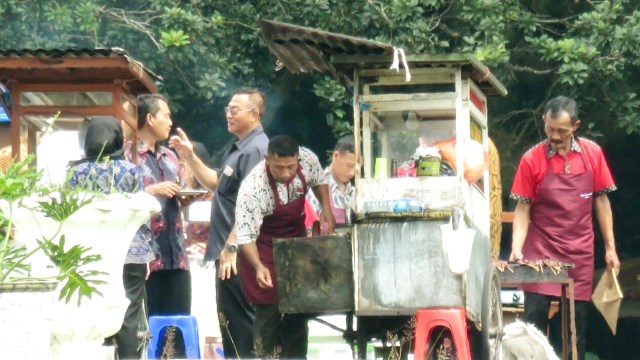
72 64
303 49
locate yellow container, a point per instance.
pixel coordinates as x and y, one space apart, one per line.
429 166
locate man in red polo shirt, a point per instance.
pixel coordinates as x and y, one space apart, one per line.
558 183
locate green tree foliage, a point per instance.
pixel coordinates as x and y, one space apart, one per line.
204 49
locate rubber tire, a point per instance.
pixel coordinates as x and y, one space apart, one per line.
491 315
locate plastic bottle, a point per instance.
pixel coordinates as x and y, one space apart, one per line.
394 168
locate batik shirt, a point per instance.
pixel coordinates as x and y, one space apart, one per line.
341 200
256 200
165 234
108 177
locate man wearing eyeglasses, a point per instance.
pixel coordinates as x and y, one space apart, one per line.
243 115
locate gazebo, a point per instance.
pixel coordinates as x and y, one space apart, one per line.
68 85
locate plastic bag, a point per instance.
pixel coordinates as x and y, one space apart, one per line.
457 245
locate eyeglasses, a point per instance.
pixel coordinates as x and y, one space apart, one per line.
234 111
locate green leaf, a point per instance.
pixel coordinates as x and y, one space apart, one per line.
174 38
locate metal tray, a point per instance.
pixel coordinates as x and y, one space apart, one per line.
314 274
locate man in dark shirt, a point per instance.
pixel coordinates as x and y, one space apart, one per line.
244 114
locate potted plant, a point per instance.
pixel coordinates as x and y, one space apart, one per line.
73 242
18 183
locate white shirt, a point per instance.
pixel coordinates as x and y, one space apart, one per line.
341 199
256 200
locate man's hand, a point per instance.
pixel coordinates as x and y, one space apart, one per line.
327 222
181 144
263 277
612 261
166 189
516 255
227 264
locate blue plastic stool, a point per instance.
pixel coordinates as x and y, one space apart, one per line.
186 323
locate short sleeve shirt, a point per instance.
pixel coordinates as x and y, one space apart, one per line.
164 231
256 200
113 176
238 162
341 200
533 168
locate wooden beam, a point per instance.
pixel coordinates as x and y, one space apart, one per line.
68 110
408 97
62 63
58 87
432 105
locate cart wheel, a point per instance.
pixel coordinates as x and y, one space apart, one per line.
491 315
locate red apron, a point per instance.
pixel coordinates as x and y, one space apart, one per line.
561 228
286 221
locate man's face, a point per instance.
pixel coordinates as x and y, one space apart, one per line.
161 121
559 131
343 166
244 119
283 169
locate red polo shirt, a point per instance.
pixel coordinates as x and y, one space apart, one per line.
533 167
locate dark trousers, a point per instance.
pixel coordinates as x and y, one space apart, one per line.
536 312
236 318
128 344
169 292
283 336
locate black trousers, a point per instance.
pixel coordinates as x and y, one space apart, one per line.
169 292
236 318
536 312
283 336
128 344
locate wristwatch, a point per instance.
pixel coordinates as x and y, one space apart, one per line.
232 248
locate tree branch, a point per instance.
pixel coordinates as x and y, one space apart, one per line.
242 24
134 24
530 70
380 9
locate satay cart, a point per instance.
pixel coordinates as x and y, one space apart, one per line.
399 255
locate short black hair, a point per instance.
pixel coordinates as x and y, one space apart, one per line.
345 144
255 95
283 146
148 104
562 103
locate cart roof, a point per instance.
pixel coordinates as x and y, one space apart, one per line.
302 49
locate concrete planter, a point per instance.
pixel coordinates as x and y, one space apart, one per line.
26 312
106 226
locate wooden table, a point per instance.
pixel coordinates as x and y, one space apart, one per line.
523 274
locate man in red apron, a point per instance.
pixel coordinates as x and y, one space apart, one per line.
557 185
271 205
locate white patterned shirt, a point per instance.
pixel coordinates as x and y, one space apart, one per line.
341 200
256 200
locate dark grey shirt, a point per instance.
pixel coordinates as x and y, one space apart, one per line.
236 165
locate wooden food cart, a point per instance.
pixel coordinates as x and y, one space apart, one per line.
393 263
